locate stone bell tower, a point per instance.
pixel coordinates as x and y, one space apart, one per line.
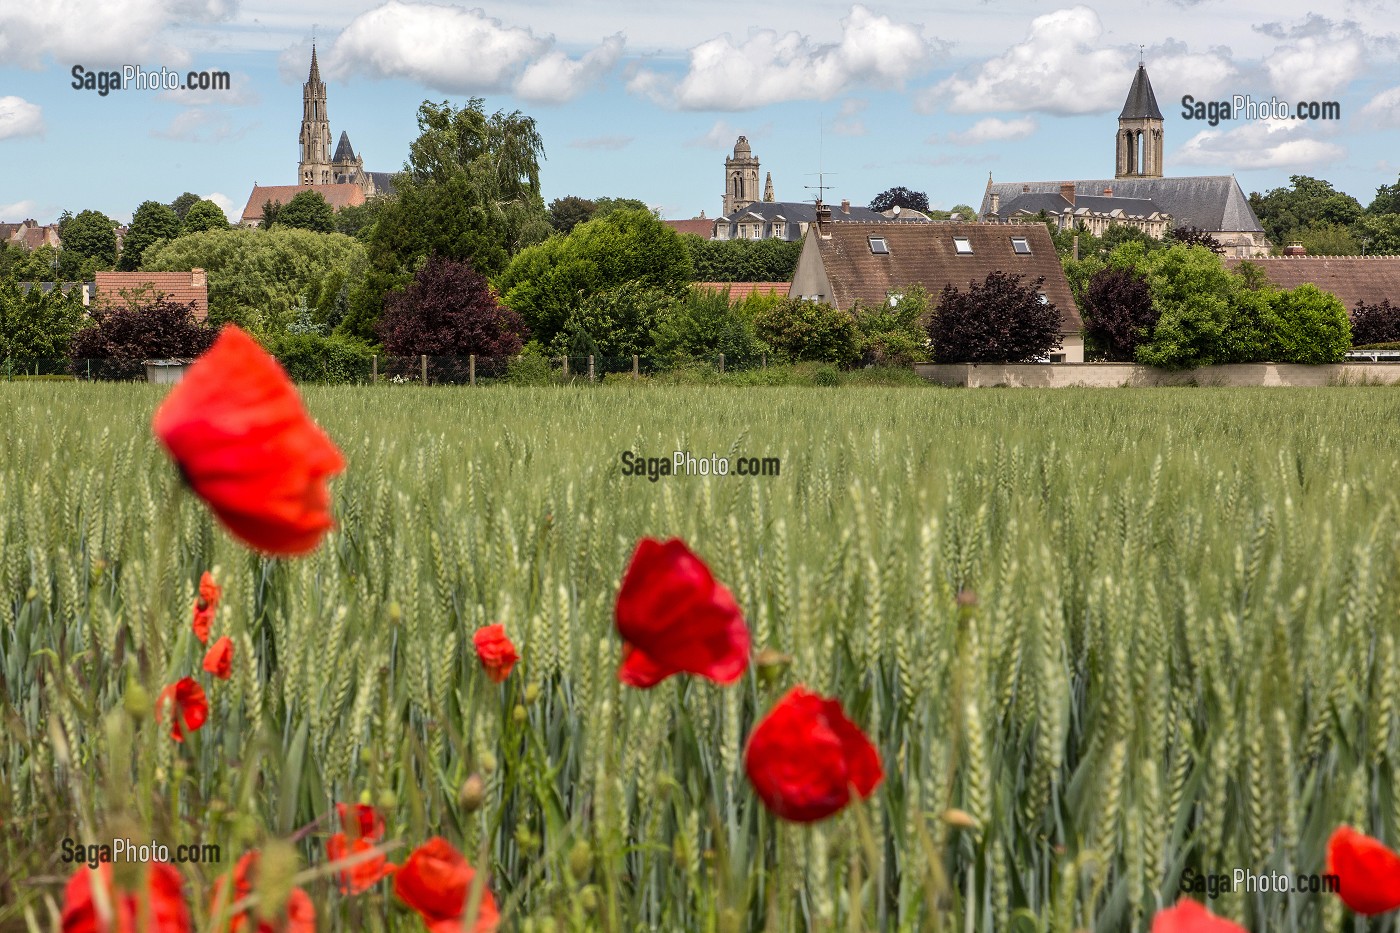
314 167
1140 131
740 177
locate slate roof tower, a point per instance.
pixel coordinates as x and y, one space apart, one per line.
1139 140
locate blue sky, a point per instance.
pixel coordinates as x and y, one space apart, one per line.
644 99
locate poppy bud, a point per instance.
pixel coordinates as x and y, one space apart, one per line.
488 762
388 799
395 613
473 793
959 819
518 714
532 692
588 898
365 798
771 663
31 595
136 701
966 599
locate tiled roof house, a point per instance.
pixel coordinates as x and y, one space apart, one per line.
337 196
182 287
845 263
1369 279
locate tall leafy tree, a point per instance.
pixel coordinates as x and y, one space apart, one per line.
36 325
151 222
1118 312
449 310
1386 201
768 260
203 215
181 205
89 241
1307 202
307 210
1379 234
568 212
901 197
547 282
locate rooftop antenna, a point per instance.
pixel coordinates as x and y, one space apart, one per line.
821 186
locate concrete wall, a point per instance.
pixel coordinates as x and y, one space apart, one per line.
1114 375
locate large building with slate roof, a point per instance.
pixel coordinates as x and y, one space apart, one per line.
1212 203
317 165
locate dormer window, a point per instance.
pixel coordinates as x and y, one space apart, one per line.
962 246
878 246
1021 245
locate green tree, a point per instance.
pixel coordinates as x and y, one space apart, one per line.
605 206
358 220
256 277
181 205
203 215
1193 295
614 324
568 212
895 332
1310 326
901 197
1325 240
36 326
1379 234
1386 201
152 222
798 330
703 323
307 210
547 282
89 243
768 260
1307 202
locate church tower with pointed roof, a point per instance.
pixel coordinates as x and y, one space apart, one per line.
314 167
1139 137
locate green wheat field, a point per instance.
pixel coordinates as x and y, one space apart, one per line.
1175 651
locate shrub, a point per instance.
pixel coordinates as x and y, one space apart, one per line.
1000 320
613 324
311 357
1196 298
449 310
37 325
1378 323
826 376
894 333
704 323
798 330
122 338
1312 327
1118 312
530 368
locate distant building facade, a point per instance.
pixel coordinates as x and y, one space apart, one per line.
1214 204
29 234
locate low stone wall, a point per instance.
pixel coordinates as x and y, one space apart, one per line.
1115 375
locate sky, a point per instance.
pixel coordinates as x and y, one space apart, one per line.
644 98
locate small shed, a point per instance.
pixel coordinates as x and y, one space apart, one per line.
165 372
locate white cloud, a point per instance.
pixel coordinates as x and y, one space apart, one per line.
723 136
464 51
18 117
100 32
239 93
201 125
556 78
1383 110
769 67
1062 68
610 143
1315 58
225 204
1262 144
848 121
992 130
18 210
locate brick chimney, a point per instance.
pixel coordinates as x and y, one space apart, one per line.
1295 249
198 279
845 205
994 202
1108 192
1067 191
823 220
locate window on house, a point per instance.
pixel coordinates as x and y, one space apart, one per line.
962 246
878 246
1021 245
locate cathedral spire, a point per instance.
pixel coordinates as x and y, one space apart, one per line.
314 166
1139 139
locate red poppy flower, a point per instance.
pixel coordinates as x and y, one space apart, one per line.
187 703
164 900
204 605
219 660
361 820
435 881
805 756
495 650
361 876
299 914
674 617
1368 872
1189 916
244 443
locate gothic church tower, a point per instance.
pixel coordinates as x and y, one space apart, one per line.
1140 131
740 177
314 167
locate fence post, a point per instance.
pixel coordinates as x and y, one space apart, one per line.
721 362
374 369
636 370
471 369
763 361
591 373
423 361
566 367
89 367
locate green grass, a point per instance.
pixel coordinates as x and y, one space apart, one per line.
1182 653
